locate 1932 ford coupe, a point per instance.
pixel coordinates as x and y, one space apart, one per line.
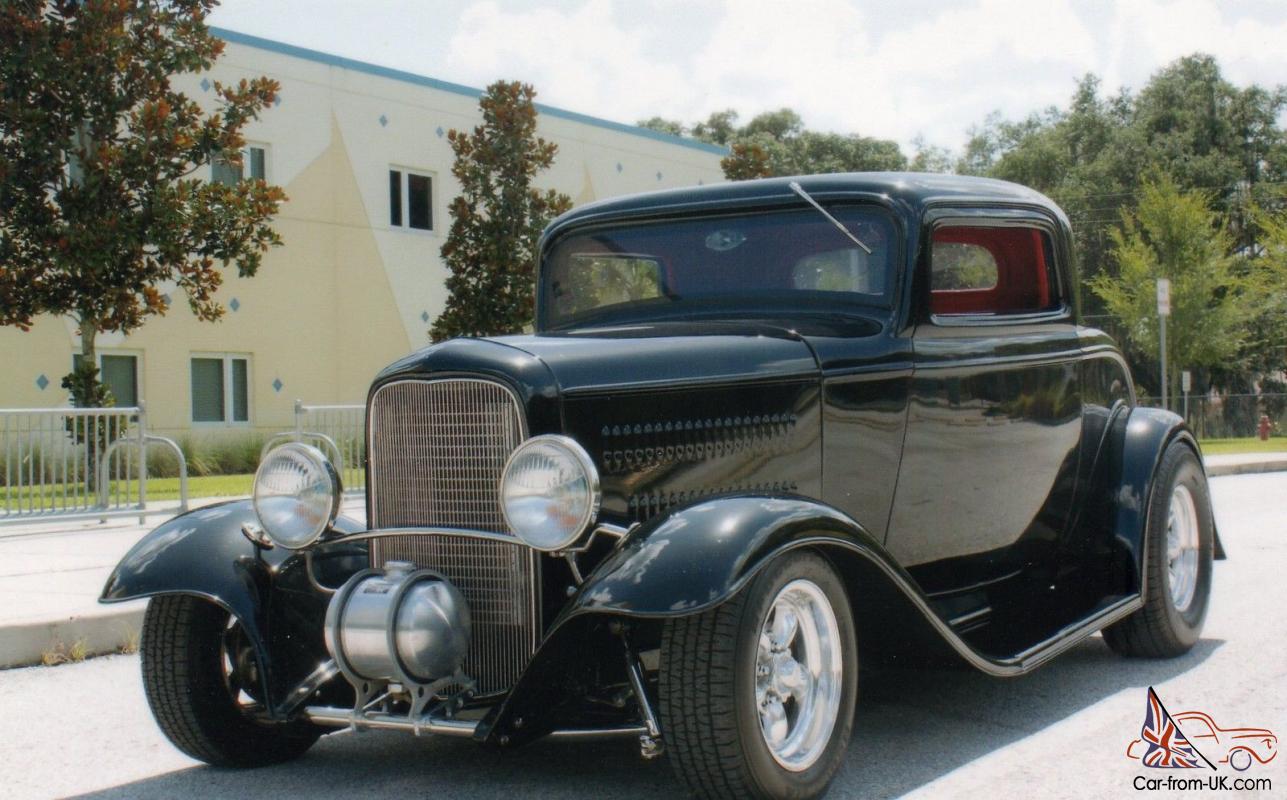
763 432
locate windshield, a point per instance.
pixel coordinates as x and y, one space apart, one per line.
717 266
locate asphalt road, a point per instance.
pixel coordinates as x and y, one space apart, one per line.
1062 732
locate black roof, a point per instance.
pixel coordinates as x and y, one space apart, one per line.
912 191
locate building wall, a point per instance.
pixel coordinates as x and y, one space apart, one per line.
348 292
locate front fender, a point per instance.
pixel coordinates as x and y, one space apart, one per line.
698 557
203 553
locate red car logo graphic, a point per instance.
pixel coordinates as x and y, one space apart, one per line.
1238 747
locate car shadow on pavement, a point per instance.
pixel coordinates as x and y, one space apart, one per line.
957 715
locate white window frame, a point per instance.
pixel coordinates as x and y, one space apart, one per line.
245 160
228 421
405 227
137 355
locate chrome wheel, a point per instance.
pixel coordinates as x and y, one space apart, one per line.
798 671
1182 547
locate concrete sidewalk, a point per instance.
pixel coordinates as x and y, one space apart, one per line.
51 575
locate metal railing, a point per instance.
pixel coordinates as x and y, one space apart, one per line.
88 463
336 430
1229 416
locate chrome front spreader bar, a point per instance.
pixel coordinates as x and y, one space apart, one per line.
375 720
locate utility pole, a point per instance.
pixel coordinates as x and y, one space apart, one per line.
1163 311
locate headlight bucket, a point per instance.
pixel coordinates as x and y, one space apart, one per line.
549 492
296 495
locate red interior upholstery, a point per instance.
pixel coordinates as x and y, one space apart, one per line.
1023 277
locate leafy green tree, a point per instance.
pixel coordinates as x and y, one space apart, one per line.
98 200
663 125
1175 234
497 218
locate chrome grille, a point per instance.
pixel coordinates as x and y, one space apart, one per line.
436 450
498 580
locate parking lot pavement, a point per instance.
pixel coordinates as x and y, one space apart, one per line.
1061 732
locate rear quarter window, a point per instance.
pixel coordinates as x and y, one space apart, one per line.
991 270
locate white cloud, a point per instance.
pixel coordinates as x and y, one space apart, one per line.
888 68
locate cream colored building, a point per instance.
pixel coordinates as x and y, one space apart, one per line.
359 278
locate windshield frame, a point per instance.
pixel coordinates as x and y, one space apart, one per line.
726 306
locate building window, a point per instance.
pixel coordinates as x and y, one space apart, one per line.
120 373
410 200
254 165
221 389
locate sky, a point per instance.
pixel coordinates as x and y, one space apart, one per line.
896 69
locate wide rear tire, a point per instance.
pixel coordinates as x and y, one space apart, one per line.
1178 551
204 704
728 733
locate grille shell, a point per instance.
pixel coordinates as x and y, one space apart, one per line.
436 452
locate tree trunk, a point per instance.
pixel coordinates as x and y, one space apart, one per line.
93 433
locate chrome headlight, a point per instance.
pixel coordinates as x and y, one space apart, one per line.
297 494
549 492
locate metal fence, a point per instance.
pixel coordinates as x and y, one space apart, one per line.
338 432
78 462
1229 416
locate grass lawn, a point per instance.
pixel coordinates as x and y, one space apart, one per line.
1215 447
158 489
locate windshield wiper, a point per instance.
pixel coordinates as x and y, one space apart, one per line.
798 189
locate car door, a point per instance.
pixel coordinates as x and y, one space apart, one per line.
994 424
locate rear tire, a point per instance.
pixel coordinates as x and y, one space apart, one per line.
201 705
1178 551
714 696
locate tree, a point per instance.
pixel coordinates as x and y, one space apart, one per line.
98 203
663 125
497 218
1175 234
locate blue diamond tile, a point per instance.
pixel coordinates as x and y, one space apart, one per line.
235 305
42 381
205 84
384 121
441 133
424 316
701 182
165 298
658 174
619 167
277 385
277 100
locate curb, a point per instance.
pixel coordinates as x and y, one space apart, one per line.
1247 468
27 644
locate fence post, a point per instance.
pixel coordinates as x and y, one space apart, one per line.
142 434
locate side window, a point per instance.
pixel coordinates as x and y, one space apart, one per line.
120 373
991 270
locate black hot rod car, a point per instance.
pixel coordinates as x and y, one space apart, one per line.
763 432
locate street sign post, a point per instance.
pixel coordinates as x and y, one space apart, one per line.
1186 385
1163 311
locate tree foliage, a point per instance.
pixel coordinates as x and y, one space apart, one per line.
1095 158
99 204
776 143
497 218
1175 234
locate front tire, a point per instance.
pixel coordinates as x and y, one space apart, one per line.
202 685
757 695
1178 551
